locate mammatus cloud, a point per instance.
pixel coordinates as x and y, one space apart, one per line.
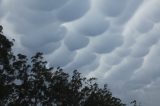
116 41
1 11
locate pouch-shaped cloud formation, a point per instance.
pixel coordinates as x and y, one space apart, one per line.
115 40
48 5
112 8
96 25
75 41
73 10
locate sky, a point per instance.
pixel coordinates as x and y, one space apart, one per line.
116 41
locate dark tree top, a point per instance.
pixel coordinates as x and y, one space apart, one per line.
1 28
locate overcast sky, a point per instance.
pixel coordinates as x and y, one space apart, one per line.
117 41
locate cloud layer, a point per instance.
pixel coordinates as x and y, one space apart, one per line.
116 41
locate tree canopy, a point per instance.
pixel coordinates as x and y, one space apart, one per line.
29 82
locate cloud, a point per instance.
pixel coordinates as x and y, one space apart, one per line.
116 41
40 30
83 58
96 25
75 41
61 57
73 10
112 8
2 10
132 7
48 5
106 44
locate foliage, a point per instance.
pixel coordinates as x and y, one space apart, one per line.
32 83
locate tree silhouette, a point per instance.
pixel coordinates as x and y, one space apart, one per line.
29 82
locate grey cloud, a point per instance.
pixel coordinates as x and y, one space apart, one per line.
150 68
112 8
113 59
73 10
126 67
151 92
85 70
2 10
154 16
131 8
144 44
96 25
45 48
75 41
140 51
45 35
42 24
82 59
61 57
144 25
145 91
106 44
34 17
29 19
47 5
42 39
122 51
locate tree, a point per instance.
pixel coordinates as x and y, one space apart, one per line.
32 83
6 56
134 102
